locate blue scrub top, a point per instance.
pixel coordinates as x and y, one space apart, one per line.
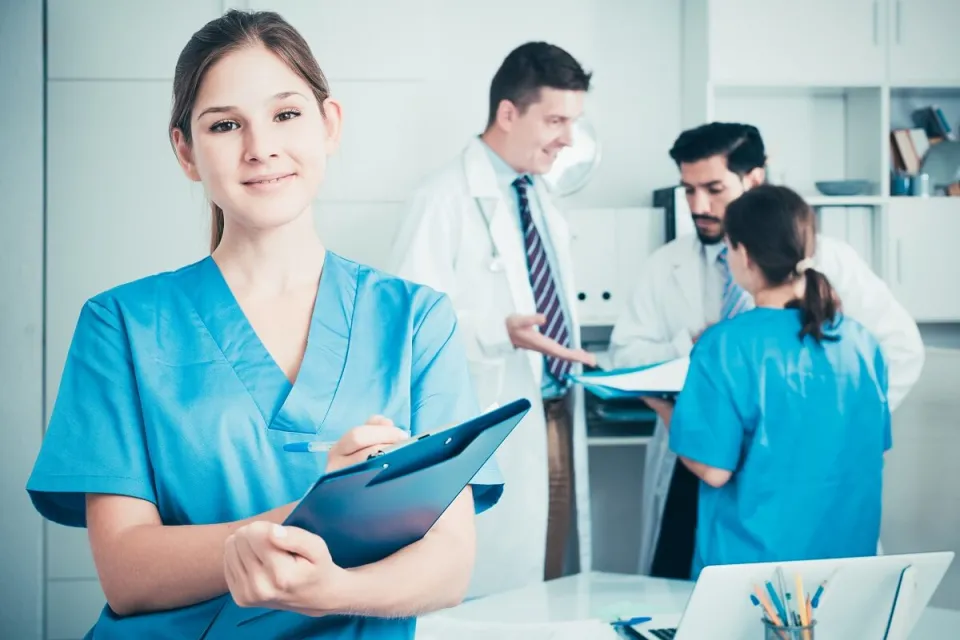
167 395
802 426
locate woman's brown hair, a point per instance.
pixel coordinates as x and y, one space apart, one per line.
778 229
235 30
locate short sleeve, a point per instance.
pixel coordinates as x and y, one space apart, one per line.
95 440
707 426
442 389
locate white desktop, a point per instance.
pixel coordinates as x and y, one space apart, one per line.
578 607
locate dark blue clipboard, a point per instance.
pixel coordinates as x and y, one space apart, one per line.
373 509
370 510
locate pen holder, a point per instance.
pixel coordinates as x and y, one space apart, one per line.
773 631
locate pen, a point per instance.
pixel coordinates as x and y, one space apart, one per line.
762 599
771 614
620 622
775 599
308 446
823 585
784 594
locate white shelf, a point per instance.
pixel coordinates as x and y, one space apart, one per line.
616 441
846 201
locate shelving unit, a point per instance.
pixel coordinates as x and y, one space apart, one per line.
826 82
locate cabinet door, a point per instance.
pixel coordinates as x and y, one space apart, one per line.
853 225
923 269
790 42
924 42
593 248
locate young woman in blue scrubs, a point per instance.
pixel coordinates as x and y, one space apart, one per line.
783 415
180 390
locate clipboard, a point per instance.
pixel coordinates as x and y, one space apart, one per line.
370 510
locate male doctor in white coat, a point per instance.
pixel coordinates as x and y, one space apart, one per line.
484 231
680 293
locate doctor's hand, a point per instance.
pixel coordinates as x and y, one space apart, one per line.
524 335
268 565
360 442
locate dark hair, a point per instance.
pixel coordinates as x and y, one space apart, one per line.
740 144
529 68
230 32
778 230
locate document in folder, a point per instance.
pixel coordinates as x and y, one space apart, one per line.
663 379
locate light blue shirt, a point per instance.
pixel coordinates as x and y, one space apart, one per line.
505 178
168 396
803 427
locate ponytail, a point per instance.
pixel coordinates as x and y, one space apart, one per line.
216 226
819 305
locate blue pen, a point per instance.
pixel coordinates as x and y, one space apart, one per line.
620 622
819 592
308 446
776 603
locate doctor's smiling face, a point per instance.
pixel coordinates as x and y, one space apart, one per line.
253 121
537 135
718 162
536 96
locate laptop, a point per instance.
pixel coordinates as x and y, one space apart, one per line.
870 597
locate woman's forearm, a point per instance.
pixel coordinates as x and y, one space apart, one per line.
149 567
711 475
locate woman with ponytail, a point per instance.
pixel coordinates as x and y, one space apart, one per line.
784 414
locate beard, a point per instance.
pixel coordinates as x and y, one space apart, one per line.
706 237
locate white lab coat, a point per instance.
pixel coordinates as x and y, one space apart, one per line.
461 237
666 309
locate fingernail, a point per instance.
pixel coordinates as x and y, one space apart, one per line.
279 531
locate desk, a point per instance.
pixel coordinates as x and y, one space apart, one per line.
607 595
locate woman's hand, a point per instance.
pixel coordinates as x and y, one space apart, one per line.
360 442
663 408
268 565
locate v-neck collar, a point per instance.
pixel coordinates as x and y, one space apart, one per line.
302 406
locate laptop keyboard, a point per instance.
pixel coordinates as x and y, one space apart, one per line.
662 634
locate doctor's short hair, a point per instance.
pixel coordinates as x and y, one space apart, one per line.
779 231
232 31
740 144
531 67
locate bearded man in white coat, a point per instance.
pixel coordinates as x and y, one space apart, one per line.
680 293
484 231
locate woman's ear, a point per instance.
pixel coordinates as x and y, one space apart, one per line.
184 154
333 121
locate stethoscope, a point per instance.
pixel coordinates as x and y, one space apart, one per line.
496 260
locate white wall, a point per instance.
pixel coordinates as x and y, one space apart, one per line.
413 77
21 314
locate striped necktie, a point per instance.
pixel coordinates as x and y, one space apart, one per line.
542 281
735 298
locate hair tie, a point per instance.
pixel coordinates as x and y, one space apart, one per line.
803 265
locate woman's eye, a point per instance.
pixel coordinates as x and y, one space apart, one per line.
289 114
224 126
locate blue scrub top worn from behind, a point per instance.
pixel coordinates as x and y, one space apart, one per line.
802 426
167 395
